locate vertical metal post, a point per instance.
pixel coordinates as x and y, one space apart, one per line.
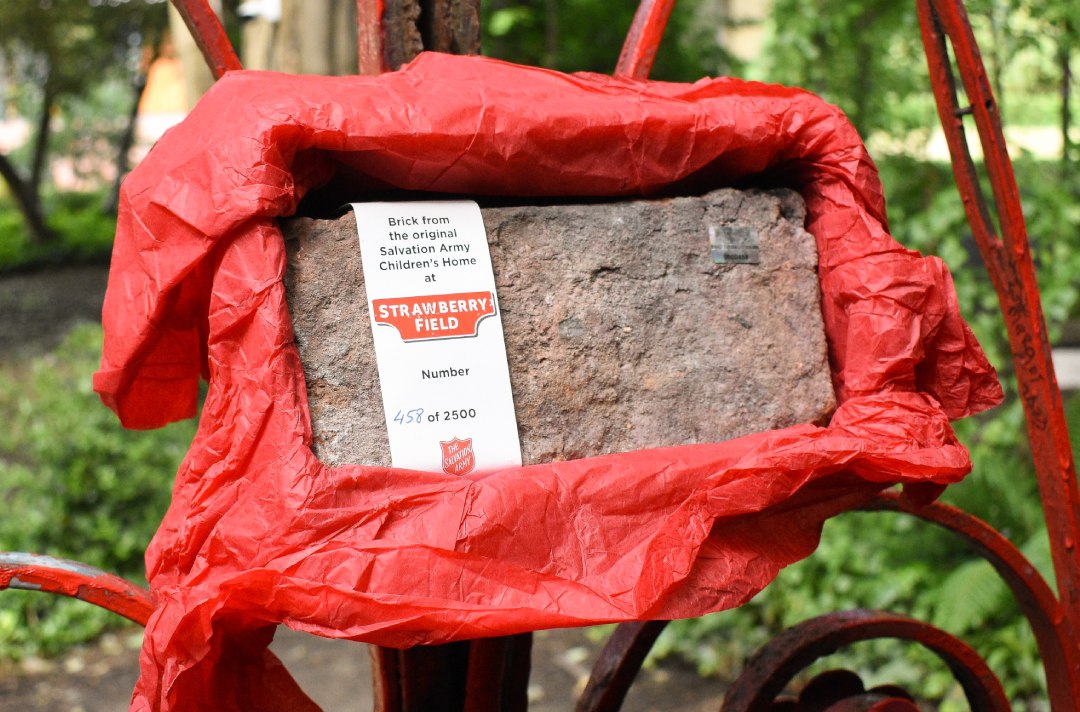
369 36
205 27
643 39
1009 262
391 33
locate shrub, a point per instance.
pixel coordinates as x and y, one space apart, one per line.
79 486
83 231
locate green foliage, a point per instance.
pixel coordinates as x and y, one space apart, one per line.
863 55
94 121
66 60
83 232
63 45
850 565
585 35
866 56
83 488
885 562
1024 46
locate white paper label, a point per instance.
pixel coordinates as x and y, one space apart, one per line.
438 336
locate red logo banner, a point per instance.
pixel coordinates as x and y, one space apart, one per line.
435 316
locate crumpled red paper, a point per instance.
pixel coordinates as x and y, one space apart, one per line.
260 533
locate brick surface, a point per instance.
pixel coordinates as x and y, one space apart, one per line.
621 332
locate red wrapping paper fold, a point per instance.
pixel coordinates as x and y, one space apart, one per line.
260 533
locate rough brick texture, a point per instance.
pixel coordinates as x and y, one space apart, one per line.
621 332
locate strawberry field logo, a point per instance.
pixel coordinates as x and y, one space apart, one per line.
435 316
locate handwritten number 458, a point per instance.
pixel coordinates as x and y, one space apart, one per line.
416 415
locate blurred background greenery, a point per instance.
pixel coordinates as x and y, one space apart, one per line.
73 91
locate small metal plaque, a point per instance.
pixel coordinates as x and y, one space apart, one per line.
734 244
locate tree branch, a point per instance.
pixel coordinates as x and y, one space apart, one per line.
28 205
41 140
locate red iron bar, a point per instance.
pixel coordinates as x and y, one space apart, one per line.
369 36
643 39
1012 271
618 665
209 35
32 572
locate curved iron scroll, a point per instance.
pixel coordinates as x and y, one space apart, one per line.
1053 630
769 671
765 676
32 572
617 666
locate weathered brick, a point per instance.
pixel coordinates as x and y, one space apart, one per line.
621 332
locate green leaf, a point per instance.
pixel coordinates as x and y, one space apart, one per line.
969 597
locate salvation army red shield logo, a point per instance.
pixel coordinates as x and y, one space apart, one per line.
458 457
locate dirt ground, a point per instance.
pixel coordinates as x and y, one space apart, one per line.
37 309
336 674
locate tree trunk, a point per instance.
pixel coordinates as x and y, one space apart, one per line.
319 36
41 144
138 86
313 34
257 43
28 205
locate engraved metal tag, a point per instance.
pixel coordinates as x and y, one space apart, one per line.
734 244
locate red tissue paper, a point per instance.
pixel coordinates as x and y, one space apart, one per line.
261 533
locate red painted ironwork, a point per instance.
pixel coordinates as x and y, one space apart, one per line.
621 658
1007 255
1012 271
617 665
32 572
498 676
209 35
369 39
768 672
844 691
643 39
421 679
1056 637
472 676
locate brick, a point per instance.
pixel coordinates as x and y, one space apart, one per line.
621 332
